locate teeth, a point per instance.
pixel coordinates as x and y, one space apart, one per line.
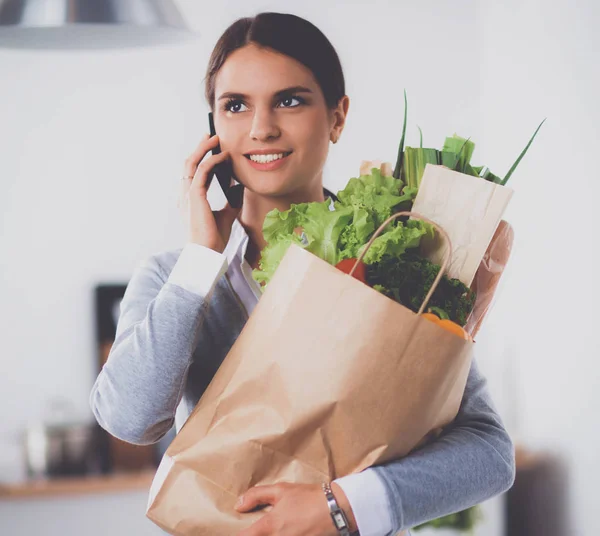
265 158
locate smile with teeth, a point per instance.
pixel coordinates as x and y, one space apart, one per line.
265 158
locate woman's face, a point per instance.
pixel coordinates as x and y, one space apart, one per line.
297 121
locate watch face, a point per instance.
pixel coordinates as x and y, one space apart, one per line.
339 520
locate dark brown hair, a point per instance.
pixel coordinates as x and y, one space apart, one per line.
290 35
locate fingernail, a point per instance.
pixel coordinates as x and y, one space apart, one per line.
239 502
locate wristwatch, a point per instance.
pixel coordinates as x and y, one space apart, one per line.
337 514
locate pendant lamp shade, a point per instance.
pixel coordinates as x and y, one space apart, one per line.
85 24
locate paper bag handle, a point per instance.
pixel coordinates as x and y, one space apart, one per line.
447 256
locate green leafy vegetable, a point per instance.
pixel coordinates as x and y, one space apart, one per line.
395 242
462 149
440 312
456 155
399 160
415 160
408 279
514 166
333 235
374 199
321 232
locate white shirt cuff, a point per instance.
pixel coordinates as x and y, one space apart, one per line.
367 496
198 269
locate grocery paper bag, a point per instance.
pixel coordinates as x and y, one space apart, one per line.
327 378
468 208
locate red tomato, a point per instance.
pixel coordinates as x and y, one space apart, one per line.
360 273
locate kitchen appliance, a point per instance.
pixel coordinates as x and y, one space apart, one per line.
61 445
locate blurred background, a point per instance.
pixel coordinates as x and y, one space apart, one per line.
92 145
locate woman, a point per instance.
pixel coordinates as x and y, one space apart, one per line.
183 309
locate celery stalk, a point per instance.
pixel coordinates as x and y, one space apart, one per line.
415 160
463 148
487 174
449 159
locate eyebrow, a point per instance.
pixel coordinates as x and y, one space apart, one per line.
286 91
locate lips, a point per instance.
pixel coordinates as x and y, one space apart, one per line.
273 165
285 153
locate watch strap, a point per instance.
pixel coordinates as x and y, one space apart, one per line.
340 521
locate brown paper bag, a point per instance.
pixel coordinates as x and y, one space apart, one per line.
327 378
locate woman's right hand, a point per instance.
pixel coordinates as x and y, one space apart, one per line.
204 226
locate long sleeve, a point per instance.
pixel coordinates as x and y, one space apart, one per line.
470 462
137 392
367 496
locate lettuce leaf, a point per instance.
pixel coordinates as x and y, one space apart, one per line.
321 231
271 256
373 197
395 242
333 235
375 193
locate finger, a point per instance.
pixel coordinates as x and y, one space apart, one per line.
499 254
192 161
489 273
203 170
184 187
195 157
208 163
269 494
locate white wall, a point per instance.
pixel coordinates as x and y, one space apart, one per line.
93 145
540 60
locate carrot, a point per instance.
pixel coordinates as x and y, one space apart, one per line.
448 325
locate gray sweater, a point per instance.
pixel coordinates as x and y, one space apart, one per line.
171 340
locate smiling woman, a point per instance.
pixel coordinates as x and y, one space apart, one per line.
275 86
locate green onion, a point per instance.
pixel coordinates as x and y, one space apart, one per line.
456 155
510 171
398 168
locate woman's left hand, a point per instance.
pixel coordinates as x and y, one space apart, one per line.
298 510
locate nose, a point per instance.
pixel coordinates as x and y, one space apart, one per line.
264 125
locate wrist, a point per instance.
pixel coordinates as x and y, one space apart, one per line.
219 248
344 504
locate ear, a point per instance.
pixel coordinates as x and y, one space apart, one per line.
338 118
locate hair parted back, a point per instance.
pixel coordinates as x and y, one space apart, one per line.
290 35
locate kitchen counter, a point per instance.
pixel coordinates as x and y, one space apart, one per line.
132 481
78 485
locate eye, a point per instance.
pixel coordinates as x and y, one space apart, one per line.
230 103
290 98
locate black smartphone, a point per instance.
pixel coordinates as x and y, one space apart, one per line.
224 172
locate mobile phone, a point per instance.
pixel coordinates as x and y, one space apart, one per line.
224 173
